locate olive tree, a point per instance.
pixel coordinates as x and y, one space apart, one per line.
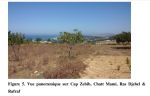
71 39
38 40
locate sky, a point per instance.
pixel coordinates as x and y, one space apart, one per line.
91 18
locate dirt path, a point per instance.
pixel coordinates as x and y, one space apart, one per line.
105 67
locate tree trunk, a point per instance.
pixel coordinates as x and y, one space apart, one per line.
69 53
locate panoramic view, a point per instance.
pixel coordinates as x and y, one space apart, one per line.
69 40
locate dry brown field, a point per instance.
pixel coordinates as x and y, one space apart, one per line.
87 61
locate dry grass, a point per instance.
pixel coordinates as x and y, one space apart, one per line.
66 68
51 60
45 58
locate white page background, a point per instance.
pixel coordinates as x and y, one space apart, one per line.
140 60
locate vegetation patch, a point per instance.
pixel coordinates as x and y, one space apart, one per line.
66 69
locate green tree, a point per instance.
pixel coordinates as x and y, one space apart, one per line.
124 37
49 39
71 39
15 38
38 40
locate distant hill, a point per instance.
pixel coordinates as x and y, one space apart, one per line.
99 37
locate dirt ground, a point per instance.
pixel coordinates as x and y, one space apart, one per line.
106 67
107 63
87 61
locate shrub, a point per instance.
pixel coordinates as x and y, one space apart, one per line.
123 37
128 63
65 69
15 40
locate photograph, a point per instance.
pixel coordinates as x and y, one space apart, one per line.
69 40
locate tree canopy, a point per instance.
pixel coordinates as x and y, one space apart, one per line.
15 38
123 37
71 38
38 39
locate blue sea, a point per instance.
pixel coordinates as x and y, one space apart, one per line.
43 37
